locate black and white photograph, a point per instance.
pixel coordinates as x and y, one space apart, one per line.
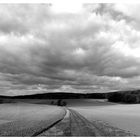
69 69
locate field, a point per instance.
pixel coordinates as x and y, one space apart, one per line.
23 119
31 117
124 116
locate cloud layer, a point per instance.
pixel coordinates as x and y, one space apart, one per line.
95 49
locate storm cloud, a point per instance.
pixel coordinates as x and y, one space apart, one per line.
43 49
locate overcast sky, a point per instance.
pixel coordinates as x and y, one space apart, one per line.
74 48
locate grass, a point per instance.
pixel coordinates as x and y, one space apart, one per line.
123 116
27 119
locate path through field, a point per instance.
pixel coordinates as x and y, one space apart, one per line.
74 124
23 119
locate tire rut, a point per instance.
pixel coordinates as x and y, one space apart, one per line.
74 124
85 126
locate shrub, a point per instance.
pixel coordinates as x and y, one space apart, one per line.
59 102
52 103
64 103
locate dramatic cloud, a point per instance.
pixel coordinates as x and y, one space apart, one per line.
86 48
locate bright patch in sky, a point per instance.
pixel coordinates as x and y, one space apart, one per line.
127 50
79 51
67 7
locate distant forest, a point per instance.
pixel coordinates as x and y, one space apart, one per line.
119 96
59 95
124 96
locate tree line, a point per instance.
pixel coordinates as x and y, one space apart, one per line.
124 97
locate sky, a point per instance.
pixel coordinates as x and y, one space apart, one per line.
69 47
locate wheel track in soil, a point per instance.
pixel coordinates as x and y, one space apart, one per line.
86 128
74 125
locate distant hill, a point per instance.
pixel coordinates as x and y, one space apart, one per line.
58 95
66 95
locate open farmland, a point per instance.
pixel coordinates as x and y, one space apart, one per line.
22 119
95 117
123 116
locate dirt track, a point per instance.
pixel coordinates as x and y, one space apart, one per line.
82 127
74 124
